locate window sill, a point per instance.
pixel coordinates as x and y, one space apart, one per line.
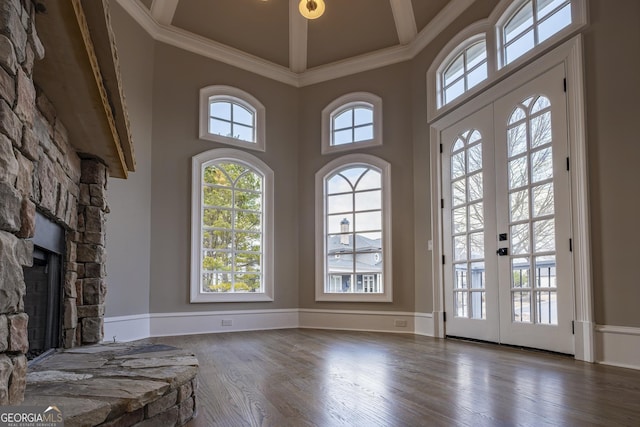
354 297
231 297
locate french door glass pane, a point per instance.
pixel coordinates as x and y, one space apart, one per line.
476 216
518 172
545 271
541 165
532 227
520 242
517 138
544 235
547 307
459 191
521 304
520 273
478 305
460 220
477 275
541 129
519 205
543 200
460 276
461 304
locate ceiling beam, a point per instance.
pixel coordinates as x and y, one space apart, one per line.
297 39
163 11
405 20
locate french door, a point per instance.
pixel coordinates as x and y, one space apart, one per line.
506 217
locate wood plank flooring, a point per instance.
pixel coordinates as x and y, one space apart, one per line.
303 377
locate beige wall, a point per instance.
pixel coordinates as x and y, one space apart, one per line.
392 85
421 158
128 259
612 69
177 79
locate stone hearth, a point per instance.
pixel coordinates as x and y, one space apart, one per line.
134 384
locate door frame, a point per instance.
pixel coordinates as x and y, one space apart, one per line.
570 54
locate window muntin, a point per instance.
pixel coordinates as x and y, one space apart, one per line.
464 71
354 251
352 121
353 200
232 119
353 124
531 24
231 116
231 228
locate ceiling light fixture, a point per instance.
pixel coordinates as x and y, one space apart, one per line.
311 9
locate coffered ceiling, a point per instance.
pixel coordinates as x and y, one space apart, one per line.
271 38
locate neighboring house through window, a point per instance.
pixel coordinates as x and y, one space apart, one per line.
232 227
353 227
231 116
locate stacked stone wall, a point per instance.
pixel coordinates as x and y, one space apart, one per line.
40 170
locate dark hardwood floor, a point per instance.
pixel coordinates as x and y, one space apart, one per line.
303 377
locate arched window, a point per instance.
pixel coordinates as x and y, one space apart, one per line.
232 116
486 51
232 227
466 69
353 227
528 23
352 121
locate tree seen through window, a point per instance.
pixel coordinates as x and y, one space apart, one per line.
232 228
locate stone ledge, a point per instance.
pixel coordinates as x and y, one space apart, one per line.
116 385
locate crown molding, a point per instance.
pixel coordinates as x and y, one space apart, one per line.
210 49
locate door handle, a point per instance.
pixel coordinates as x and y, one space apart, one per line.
503 251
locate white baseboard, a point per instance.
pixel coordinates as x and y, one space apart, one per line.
618 346
127 328
353 320
206 322
424 324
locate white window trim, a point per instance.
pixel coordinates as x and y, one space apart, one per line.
237 156
385 169
342 103
496 69
241 97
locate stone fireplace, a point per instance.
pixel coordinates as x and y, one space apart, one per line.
63 131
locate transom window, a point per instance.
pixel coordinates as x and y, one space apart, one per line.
352 125
355 233
488 50
228 117
534 22
231 228
465 71
352 121
231 116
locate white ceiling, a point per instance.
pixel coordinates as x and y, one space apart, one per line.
271 38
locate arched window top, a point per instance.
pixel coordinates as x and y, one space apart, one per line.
352 121
464 68
488 50
232 227
527 23
232 116
353 230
